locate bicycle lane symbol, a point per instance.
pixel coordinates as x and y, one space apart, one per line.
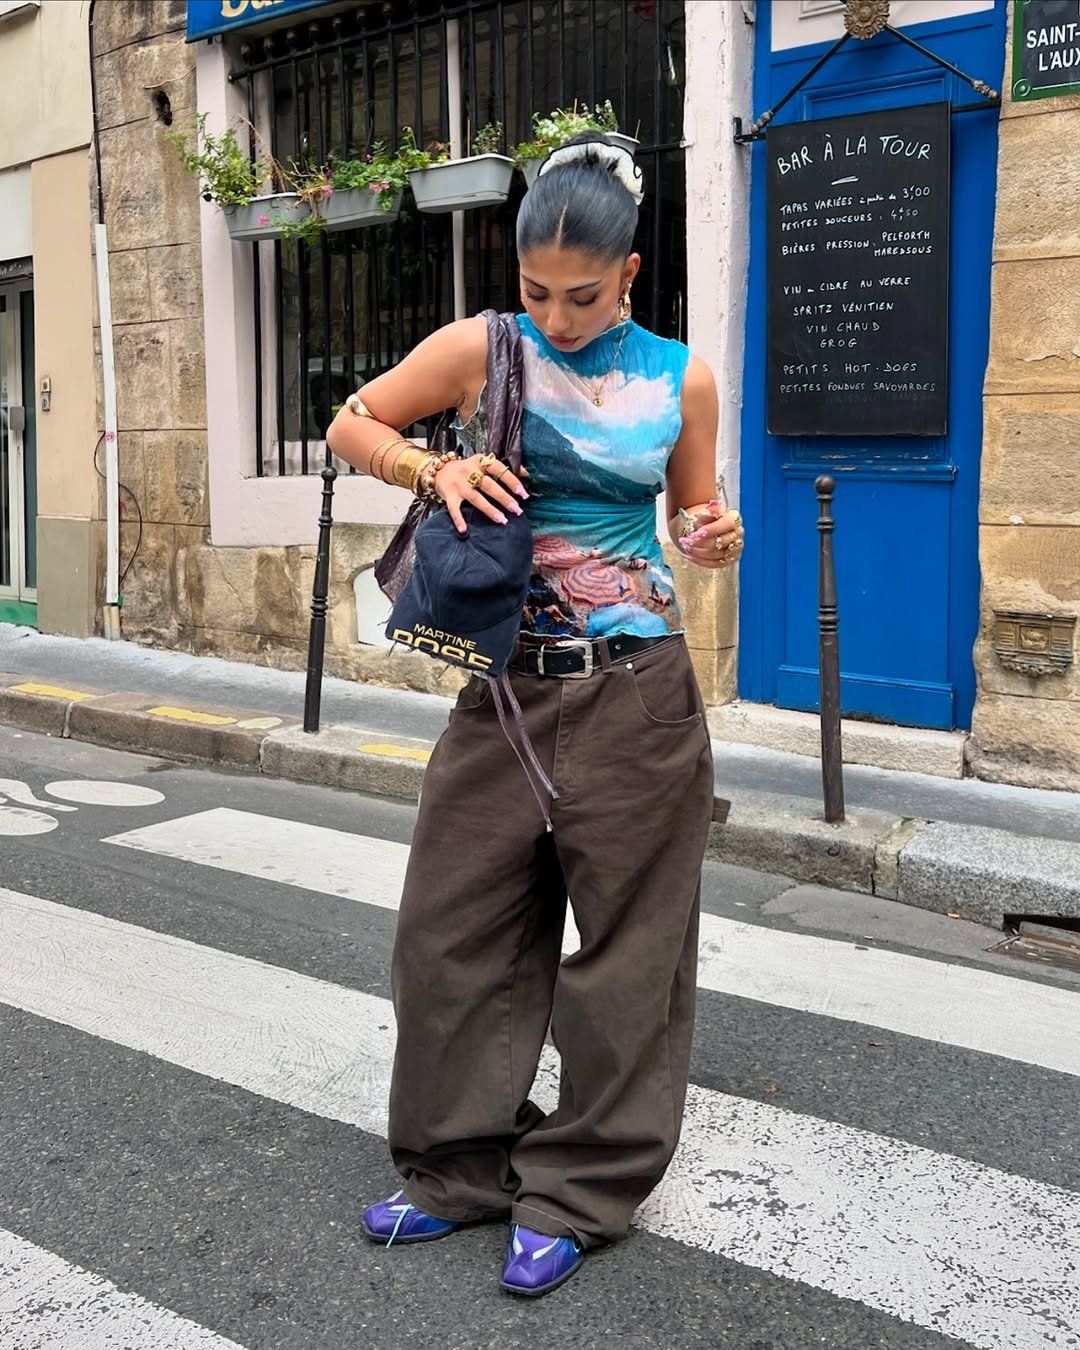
24 813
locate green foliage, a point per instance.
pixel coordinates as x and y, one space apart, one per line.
488 140
562 125
412 158
227 175
380 172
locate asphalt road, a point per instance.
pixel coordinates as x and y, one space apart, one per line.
880 1148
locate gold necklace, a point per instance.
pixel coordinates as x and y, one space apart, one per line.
595 391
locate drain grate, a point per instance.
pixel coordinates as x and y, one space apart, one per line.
1043 942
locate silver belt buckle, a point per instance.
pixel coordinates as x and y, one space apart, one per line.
586 647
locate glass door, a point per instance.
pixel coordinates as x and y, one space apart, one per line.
18 456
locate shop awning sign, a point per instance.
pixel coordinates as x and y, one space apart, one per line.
1046 48
207 18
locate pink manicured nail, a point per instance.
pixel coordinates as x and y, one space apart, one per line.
513 506
501 518
697 536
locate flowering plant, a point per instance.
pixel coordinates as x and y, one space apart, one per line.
563 125
379 172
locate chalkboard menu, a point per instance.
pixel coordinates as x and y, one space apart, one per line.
857 275
1046 48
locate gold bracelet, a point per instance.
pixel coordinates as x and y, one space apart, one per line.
383 448
399 450
425 483
357 406
409 465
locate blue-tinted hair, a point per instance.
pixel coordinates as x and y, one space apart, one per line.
580 205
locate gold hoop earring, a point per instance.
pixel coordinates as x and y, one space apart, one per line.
624 309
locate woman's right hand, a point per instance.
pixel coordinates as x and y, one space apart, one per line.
495 486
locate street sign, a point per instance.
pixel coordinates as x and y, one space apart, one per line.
1046 48
207 18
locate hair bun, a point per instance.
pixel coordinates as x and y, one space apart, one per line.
616 159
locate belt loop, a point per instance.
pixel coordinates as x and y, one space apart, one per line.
605 656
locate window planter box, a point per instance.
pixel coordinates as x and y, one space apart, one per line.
460 184
264 217
530 168
530 171
627 142
357 208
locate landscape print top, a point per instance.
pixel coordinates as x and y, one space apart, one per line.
594 476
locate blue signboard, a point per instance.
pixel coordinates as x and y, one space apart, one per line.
205 18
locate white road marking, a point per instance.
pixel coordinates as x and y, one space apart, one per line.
955 1005
21 792
948 1244
48 1304
313 857
19 820
92 793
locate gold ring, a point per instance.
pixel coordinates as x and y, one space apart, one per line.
487 462
476 477
734 516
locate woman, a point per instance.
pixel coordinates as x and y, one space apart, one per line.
609 701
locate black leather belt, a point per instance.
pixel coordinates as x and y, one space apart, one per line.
576 658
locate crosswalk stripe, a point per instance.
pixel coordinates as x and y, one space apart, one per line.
57 1306
962 1006
951 1245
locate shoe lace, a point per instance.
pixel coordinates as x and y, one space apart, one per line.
405 1209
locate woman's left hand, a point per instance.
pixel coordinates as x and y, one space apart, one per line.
717 540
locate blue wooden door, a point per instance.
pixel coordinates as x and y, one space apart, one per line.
906 507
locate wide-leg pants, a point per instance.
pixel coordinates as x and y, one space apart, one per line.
477 975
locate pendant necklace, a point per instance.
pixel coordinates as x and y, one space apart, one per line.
596 391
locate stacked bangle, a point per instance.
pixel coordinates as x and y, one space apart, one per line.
378 455
412 467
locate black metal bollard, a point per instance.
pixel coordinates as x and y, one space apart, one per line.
320 592
832 754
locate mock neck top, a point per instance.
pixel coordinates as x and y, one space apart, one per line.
595 473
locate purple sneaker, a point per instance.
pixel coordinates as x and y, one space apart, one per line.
537 1263
395 1220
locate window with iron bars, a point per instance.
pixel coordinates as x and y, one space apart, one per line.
331 316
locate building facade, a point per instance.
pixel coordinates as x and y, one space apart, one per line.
49 494
958 536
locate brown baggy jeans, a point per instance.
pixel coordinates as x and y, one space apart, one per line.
477 976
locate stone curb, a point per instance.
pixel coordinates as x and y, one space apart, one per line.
334 757
970 871
771 832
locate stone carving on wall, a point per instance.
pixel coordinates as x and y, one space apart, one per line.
1034 644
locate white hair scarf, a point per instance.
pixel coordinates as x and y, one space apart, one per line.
616 157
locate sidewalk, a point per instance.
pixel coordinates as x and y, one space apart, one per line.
959 846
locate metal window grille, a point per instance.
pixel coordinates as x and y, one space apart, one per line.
331 316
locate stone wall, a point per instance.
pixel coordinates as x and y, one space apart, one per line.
1026 727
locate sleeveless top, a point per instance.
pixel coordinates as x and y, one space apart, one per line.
594 476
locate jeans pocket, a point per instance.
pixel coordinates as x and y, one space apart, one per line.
665 688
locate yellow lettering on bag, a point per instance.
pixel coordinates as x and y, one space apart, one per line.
457 649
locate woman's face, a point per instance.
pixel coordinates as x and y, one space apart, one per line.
571 296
